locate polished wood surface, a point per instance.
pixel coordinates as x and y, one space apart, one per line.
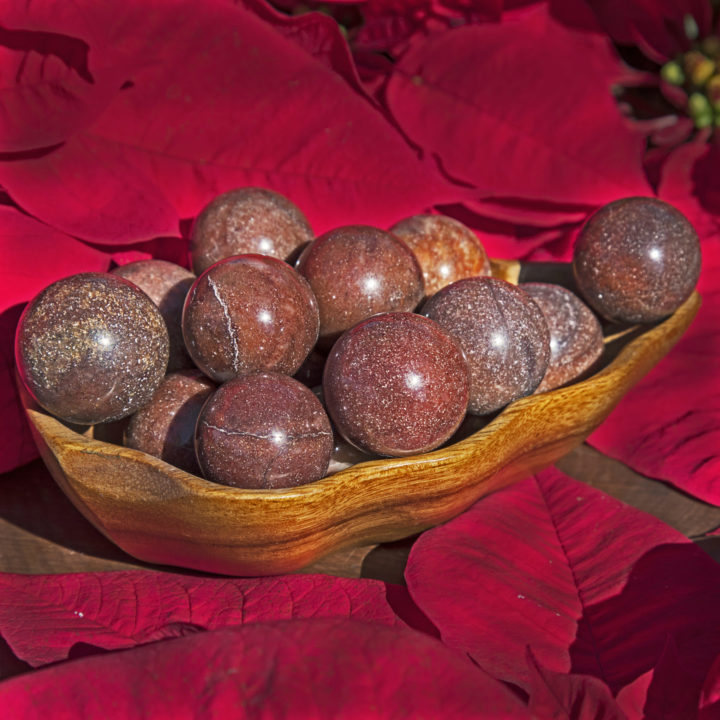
42 532
162 515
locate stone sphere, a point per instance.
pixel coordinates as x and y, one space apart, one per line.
165 427
250 313
446 249
503 334
357 271
247 221
636 260
91 348
576 339
166 284
396 384
263 431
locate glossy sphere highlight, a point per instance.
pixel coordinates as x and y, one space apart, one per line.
637 260
358 271
446 249
247 221
503 334
166 284
396 384
165 427
91 348
263 431
247 314
576 339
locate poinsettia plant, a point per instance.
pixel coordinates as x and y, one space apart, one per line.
121 120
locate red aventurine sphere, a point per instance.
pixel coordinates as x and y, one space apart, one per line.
396 384
249 313
357 271
637 260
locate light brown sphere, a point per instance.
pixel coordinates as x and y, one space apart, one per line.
446 249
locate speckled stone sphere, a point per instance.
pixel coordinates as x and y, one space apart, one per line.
637 260
247 221
396 384
166 284
357 271
249 313
91 348
165 427
262 431
446 249
503 334
576 339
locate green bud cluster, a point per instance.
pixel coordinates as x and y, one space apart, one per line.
698 73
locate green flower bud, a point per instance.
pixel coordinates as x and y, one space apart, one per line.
672 73
691 27
700 110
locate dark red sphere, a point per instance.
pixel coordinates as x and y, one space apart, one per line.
247 221
396 384
167 285
250 313
576 339
165 427
263 430
358 271
503 334
637 260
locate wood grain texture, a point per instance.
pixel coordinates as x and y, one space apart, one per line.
163 515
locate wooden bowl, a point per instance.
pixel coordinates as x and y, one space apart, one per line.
160 514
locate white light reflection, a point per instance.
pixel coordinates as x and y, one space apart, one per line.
414 381
278 437
371 285
265 246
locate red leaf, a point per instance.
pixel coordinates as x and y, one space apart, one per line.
89 189
668 426
591 585
523 112
217 99
43 617
306 668
390 25
710 696
655 26
560 696
33 255
318 34
45 75
689 180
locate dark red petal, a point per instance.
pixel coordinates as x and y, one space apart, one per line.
215 99
591 585
561 696
47 75
306 668
43 617
710 696
522 111
655 26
